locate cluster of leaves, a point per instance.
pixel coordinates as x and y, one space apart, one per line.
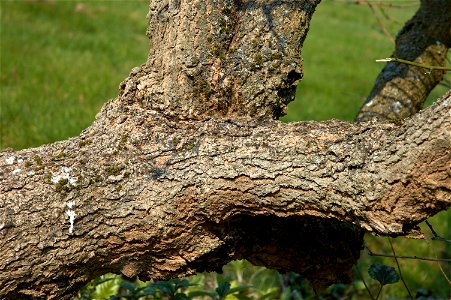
113 287
268 284
242 282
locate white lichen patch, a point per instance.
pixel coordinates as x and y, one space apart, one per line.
64 173
10 160
396 107
140 86
71 214
446 104
370 103
70 204
16 171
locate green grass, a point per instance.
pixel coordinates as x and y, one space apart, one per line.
61 60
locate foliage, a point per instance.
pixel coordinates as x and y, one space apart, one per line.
100 288
241 281
112 287
384 274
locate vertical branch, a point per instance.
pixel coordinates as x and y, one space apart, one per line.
221 58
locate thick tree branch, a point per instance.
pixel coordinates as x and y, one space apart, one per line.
400 89
226 58
158 198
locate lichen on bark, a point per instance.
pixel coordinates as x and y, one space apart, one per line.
221 58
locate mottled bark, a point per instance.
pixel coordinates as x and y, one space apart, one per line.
228 58
156 198
161 186
401 89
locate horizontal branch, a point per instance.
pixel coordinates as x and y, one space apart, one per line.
139 194
370 253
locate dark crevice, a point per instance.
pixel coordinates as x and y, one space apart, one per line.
288 91
289 244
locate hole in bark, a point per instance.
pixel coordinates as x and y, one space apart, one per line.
289 87
411 228
293 76
156 173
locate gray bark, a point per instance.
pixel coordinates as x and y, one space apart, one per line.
162 187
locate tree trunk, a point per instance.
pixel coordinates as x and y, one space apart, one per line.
172 179
221 58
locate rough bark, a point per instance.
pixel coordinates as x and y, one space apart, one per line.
157 198
401 89
228 58
161 186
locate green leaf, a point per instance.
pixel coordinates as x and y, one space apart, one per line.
128 286
223 289
166 287
200 293
181 296
239 289
149 290
106 286
182 283
384 274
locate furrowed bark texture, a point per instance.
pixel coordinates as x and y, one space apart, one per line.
156 198
229 57
401 89
177 176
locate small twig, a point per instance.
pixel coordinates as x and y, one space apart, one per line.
378 293
363 280
399 268
431 228
436 236
385 14
370 253
381 24
382 3
444 274
389 59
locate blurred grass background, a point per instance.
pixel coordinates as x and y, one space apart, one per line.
61 60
